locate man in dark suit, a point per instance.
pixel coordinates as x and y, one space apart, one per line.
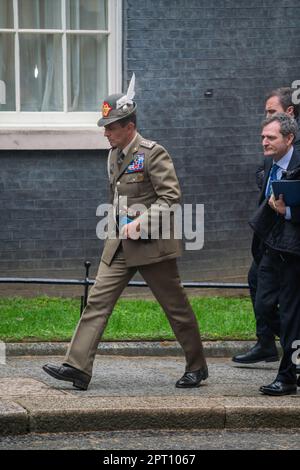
277 248
277 101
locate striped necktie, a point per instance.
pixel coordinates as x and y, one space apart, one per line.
120 157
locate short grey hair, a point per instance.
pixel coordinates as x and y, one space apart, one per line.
285 96
288 125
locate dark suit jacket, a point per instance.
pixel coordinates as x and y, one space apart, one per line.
269 228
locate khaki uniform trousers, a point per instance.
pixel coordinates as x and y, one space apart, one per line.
163 279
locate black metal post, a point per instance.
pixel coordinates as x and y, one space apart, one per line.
84 298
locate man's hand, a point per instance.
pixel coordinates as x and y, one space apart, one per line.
278 205
131 230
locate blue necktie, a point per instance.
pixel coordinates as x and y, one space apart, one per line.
272 177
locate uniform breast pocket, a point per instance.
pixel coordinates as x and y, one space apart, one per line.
133 183
137 177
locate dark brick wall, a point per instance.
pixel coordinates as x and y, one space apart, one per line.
48 211
178 49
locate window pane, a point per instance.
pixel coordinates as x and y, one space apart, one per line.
7 72
41 72
40 14
6 14
87 14
87 72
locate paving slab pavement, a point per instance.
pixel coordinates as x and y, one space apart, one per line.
138 392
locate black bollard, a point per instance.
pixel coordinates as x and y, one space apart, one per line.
84 298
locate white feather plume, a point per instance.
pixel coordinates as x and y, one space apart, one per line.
128 98
131 91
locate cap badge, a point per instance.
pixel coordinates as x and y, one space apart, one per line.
106 109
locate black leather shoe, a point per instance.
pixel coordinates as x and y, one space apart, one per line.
192 379
70 374
262 351
278 388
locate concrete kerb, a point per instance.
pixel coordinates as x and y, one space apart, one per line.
130 348
14 418
50 415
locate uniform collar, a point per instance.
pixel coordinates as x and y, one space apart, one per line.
125 149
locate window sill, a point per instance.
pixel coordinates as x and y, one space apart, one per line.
53 138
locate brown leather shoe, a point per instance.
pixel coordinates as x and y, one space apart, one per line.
69 374
192 379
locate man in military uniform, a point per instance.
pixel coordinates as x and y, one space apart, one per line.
142 171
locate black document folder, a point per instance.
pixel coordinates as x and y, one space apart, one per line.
290 190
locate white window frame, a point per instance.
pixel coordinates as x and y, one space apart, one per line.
35 130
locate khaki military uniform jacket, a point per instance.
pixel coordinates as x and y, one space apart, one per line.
146 176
